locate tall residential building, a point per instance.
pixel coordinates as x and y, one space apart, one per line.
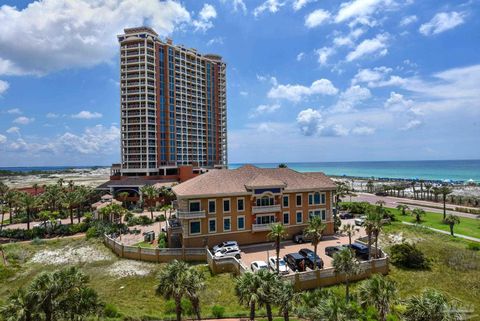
173 106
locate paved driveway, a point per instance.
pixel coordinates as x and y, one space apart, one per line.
263 251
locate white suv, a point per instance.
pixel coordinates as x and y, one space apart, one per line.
228 252
258 265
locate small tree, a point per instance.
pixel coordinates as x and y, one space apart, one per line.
418 213
246 289
431 305
350 230
150 193
314 230
452 220
403 208
379 292
345 262
122 197
277 233
284 298
282 165
445 190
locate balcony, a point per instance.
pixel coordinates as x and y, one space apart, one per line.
266 209
186 215
261 227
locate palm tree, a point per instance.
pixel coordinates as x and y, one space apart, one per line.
277 233
403 208
266 291
370 228
380 203
174 283
20 306
150 193
377 228
113 212
284 298
431 305
379 292
370 186
345 262
445 190
195 284
451 220
122 197
11 197
246 289
340 192
70 201
29 203
350 230
282 165
314 230
428 187
418 213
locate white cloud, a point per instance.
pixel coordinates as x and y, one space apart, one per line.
264 109
309 121
22 120
296 93
350 98
441 22
323 54
14 111
300 56
360 9
269 5
408 20
377 45
316 18
3 86
13 130
363 130
216 40
299 4
349 39
3 139
334 130
205 17
244 93
52 35
378 77
397 102
237 5
85 114
412 124
52 115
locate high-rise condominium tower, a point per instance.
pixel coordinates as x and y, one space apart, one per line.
173 106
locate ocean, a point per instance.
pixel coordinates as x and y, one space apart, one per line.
454 170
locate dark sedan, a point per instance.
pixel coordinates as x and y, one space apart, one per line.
345 216
331 250
312 260
361 250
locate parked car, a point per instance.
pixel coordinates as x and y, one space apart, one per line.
228 252
299 238
331 250
225 244
360 220
361 250
258 265
296 262
345 215
312 259
49 224
282 265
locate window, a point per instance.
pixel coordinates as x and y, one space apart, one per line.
194 227
227 226
286 218
212 225
316 198
299 217
285 201
226 205
319 213
324 198
194 206
240 204
265 219
241 223
211 206
299 199
265 201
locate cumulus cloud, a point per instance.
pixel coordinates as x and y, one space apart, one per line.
52 115
52 35
350 98
14 111
378 77
237 5
373 46
360 9
349 39
398 103
264 109
22 120
323 54
316 18
408 20
269 5
441 22
3 139
13 130
205 17
309 121
296 93
85 114
300 56
299 4
363 130
3 86
412 124
216 40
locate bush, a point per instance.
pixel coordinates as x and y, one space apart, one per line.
162 240
110 311
218 311
139 220
473 246
137 210
408 256
37 241
160 218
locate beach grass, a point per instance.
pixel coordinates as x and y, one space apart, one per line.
467 226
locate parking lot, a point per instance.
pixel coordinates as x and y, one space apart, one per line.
261 252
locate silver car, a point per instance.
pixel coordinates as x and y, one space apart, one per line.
282 265
228 252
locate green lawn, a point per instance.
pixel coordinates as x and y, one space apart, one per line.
467 226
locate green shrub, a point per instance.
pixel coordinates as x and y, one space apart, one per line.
473 246
110 311
37 241
218 311
408 256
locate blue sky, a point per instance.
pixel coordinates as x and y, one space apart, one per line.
307 80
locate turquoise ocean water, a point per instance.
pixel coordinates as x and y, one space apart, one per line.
455 170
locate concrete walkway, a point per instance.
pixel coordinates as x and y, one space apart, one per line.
470 238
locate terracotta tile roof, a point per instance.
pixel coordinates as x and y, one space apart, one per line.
240 180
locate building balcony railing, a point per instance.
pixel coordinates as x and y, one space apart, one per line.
261 227
266 209
190 215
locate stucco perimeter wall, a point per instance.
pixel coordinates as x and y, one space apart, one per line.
155 255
